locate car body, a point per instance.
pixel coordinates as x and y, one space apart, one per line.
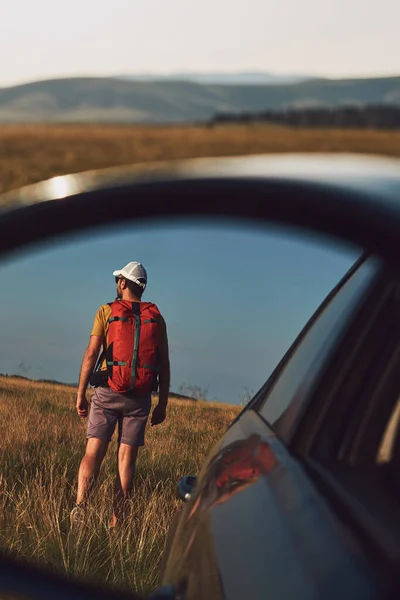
294 502
300 497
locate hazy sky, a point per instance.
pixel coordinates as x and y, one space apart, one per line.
233 299
43 39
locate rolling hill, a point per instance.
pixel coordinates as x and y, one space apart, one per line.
166 101
237 78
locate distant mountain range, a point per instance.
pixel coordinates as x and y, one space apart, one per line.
180 101
240 78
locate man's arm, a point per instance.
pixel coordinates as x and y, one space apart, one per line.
159 412
165 374
88 364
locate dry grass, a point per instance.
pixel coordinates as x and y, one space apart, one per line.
42 441
31 153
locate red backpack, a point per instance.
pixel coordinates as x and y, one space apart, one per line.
134 339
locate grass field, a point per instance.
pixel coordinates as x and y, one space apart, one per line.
42 441
31 153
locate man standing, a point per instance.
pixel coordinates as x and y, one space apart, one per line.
135 350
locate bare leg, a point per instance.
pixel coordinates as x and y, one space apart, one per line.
90 466
123 487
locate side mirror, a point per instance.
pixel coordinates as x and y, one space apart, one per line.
186 487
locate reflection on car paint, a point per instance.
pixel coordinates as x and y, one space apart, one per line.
234 468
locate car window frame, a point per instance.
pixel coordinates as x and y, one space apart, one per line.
297 406
374 517
337 367
259 397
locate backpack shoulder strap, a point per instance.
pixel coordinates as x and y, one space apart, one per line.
100 360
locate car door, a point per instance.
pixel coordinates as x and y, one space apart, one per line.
257 524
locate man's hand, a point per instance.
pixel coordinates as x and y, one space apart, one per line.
82 405
159 414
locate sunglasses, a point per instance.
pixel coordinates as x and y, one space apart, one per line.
117 278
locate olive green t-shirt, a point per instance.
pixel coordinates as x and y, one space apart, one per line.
101 327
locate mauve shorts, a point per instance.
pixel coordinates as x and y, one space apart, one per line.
108 408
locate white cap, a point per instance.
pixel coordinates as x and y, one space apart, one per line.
135 272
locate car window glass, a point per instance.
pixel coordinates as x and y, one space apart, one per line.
303 367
